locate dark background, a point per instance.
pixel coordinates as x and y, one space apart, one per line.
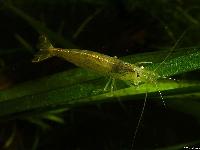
121 27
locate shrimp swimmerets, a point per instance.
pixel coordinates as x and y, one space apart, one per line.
97 62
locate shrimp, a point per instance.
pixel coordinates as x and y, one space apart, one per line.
97 62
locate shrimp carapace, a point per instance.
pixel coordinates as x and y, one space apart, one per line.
97 62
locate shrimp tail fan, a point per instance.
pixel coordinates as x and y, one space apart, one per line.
44 46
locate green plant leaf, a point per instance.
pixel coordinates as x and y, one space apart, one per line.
77 87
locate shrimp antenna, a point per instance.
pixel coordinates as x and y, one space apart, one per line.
175 45
145 100
161 96
139 121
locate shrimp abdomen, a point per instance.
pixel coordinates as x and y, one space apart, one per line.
97 62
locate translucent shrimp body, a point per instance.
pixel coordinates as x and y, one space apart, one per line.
97 62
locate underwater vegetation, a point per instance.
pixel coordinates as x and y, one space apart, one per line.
53 104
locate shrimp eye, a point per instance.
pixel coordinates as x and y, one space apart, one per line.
138 74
